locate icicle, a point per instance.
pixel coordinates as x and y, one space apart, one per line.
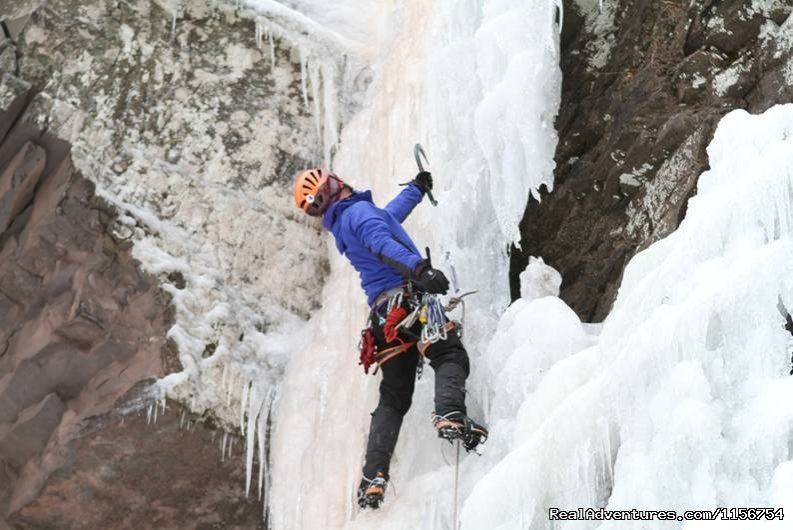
303 74
260 424
560 7
223 447
272 48
329 99
258 31
313 77
254 410
262 432
229 389
223 377
156 408
148 415
243 403
181 420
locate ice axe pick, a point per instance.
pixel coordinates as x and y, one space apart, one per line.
418 152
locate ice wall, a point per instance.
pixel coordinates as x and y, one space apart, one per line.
477 83
683 404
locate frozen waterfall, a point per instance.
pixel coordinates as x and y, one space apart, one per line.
673 404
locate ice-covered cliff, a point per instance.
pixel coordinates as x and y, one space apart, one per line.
478 86
191 117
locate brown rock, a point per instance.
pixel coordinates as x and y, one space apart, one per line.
771 88
80 325
32 431
130 475
18 180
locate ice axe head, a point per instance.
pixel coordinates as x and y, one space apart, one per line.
418 152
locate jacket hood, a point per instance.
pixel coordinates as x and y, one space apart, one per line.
338 207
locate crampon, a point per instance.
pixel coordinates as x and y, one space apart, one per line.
371 491
457 426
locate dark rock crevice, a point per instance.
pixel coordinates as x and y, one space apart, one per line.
633 133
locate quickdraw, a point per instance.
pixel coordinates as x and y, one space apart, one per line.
433 319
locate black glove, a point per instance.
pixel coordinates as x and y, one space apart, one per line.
424 181
430 280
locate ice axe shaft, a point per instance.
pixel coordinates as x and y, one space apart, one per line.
418 152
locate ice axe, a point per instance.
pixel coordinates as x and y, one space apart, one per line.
418 152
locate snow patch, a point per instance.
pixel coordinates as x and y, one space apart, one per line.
725 80
539 280
698 81
780 37
600 21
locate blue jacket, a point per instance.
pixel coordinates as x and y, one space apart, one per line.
373 239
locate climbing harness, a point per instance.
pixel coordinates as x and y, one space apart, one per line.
411 319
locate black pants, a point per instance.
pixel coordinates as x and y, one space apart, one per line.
447 358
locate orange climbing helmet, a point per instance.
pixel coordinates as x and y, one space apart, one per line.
316 189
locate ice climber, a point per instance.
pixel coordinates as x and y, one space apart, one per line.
396 278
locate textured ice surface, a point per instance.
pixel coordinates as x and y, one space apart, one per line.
678 405
539 280
478 85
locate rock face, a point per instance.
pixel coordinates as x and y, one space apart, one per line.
132 475
645 83
160 136
191 121
185 114
79 324
81 331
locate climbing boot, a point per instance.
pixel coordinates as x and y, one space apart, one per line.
457 426
371 491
